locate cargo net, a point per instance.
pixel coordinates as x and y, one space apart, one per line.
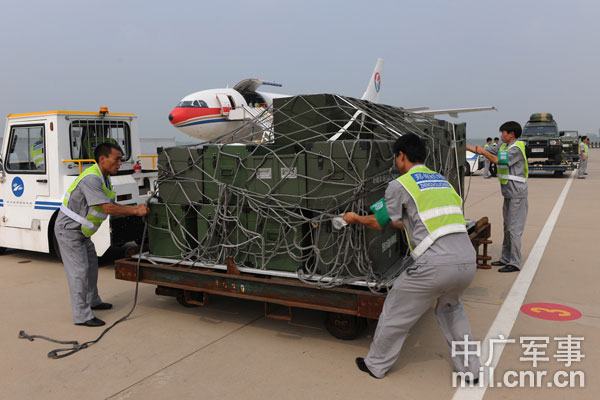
267 193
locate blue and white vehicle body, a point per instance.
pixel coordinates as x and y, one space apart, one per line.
41 156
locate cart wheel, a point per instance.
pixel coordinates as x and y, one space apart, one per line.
343 326
558 173
181 300
2 250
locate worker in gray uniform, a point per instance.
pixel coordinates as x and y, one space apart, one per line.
486 163
425 205
87 203
513 172
584 152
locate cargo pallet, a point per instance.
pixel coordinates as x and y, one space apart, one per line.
347 307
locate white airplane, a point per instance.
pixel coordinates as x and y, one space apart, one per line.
210 114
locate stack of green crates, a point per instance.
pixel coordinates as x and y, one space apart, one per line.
272 244
342 171
225 164
281 176
183 167
384 248
171 229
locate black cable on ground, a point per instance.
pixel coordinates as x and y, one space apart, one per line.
76 346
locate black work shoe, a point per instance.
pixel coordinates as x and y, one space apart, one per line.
498 263
92 322
508 268
102 306
360 363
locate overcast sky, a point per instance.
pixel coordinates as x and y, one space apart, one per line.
142 57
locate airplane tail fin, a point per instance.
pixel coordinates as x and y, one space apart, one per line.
374 87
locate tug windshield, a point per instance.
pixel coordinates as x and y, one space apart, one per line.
87 134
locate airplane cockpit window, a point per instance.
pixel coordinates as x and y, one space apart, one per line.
193 103
87 134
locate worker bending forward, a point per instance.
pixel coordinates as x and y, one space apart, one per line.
87 203
423 203
512 174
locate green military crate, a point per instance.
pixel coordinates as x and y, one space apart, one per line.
383 249
278 178
272 242
340 172
226 165
171 229
309 118
181 175
180 191
210 234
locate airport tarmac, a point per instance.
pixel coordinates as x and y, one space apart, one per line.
229 349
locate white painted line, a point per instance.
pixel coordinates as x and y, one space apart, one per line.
509 311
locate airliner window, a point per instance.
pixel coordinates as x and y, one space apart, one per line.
26 151
86 135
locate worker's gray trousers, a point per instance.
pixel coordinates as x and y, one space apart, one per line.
582 168
81 264
514 212
411 295
486 168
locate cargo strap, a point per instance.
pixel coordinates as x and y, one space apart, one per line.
76 346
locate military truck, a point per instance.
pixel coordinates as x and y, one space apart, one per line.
543 144
570 145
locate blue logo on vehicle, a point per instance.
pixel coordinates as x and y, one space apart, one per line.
18 187
377 81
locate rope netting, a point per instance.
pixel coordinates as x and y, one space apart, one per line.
266 193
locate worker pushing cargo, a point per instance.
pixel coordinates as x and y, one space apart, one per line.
423 203
512 174
87 203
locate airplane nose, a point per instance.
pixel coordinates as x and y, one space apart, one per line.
170 117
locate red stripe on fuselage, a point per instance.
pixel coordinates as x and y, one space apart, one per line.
181 114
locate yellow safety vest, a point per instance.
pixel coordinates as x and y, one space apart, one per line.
438 205
585 148
503 170
37 154
95 216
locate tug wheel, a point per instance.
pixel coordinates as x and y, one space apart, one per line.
343 326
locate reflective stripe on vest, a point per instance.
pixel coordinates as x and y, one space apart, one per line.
438 204
95 216
503 170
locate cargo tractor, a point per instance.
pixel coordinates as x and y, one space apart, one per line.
43 153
